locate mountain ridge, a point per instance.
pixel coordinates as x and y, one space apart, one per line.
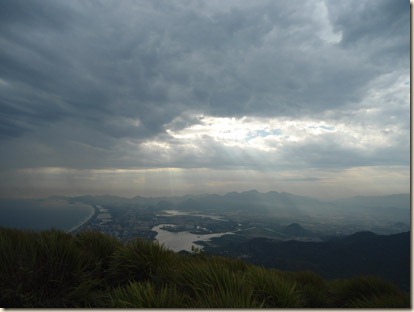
252 191
363 252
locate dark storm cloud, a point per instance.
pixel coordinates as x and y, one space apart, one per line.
75 72
381 25
78 77
28 14
163 58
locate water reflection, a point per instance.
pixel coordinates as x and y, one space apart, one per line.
177 241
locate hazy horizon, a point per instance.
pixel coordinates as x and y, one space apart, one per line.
131 195
167 98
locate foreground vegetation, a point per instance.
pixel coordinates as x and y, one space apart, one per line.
53 269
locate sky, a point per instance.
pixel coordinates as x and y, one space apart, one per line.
165 98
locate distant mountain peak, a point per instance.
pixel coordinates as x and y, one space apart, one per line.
294 229
251 192
361 235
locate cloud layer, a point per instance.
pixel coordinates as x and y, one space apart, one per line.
269 86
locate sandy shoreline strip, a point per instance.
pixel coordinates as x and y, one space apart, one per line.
84 220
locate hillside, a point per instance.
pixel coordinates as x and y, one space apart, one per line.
385 256
53 269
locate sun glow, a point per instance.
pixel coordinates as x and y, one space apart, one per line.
250 132
272 134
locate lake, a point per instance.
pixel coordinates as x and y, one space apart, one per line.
178 241
167 213
43 214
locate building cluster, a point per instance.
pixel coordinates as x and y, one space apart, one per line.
124 224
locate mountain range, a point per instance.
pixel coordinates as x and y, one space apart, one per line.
392 208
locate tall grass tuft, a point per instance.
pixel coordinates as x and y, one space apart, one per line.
97 244
213 283
42 269
360 290
16 249
145 295
385 301
274 289
312 287
100 249
140 260
52 269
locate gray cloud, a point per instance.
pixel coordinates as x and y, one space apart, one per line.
154 61
369 24
89 84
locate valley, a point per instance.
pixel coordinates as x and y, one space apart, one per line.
280 216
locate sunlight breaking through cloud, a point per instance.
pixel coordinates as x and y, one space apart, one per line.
218 87
271 134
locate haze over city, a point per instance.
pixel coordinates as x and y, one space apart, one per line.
165 98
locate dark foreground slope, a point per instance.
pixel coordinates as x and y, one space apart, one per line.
385 256
55 269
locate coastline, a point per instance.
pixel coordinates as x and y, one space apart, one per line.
84 221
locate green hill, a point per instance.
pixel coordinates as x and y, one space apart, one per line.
53 269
